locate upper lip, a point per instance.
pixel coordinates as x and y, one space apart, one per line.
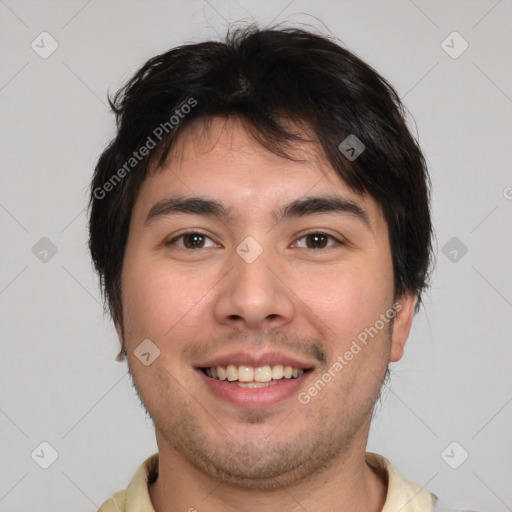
255 360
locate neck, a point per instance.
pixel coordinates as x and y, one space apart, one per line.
348 484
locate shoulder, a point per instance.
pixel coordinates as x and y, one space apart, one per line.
401 494
135 498
115 504
404 495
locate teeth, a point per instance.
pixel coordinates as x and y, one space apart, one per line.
277 371
254 384
231 372
245 373
249 377
263 374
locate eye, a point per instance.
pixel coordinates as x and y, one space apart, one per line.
316 241
192 240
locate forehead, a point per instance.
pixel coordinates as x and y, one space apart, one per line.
221 159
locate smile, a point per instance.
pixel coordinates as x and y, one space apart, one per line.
253 377
253 387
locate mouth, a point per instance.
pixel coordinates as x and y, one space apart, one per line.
251 377
254 382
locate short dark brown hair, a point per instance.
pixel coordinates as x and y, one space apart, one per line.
267 78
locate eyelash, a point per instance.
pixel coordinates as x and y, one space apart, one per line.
188 233
321 233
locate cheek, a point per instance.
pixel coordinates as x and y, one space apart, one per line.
159 301
346 302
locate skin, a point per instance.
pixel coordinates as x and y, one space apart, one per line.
309 302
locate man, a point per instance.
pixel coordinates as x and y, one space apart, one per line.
261 228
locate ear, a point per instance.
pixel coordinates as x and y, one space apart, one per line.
120 337
404 308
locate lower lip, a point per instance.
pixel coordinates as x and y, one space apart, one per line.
254 398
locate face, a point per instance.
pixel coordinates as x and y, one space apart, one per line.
257 278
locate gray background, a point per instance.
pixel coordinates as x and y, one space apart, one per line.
59 379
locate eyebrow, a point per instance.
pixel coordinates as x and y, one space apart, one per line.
322 204
187 205
297 208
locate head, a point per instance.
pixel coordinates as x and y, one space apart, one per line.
232 216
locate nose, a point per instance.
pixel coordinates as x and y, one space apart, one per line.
254 296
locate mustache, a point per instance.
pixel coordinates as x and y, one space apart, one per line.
267 340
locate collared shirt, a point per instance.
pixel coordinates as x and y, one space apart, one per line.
402 496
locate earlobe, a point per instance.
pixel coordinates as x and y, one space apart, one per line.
404 307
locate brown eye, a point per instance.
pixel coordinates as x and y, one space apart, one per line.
192 241
316 241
